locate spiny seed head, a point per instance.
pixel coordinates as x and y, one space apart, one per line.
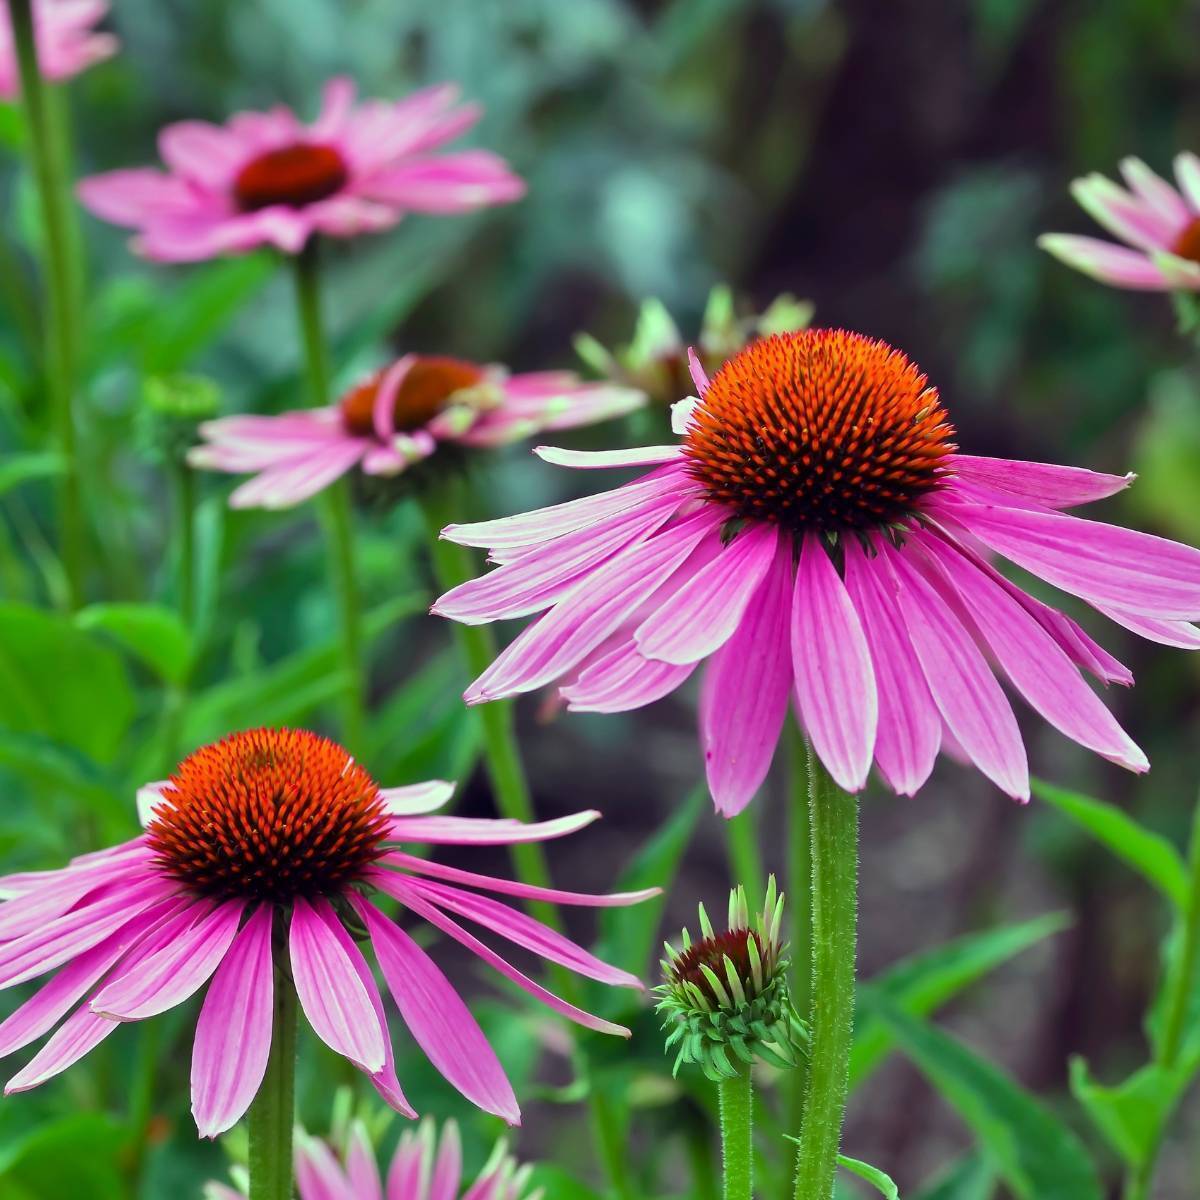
268 814
819 430
725 997
292 176
426 389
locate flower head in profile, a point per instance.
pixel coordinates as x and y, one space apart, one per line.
1159 223
259 856
656 361
397 418
816 537
424 1167
725 998
266 178
67 41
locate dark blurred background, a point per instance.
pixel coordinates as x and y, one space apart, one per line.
891 160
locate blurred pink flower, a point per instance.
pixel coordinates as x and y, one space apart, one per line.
1161 223
67 41
421 1169
817 537
396 418
277 836
266 178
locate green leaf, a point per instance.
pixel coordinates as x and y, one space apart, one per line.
1131 1114
17 469
1150 854
628 935
75 1156
559 1184
919 985
61 683
880 1181
968 1179
1038 1156
151 633
43 761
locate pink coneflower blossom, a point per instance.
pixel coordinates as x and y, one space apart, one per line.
423 1168
274 838
819 539
67 41
266 178
1159 221
398 417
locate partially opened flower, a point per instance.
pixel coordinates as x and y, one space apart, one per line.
67 41
1158 222
256 855
816 536
400 416
266 178
424 1167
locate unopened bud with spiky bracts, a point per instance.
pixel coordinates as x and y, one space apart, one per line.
725 998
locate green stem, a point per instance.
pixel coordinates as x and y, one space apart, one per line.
335 503
799 899
745 855
833 819
737 1140
452 565
50 174
272 1113
1176 1012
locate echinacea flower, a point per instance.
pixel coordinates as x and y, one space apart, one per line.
398 417
256 853
66 37
424 1167
817 537
266 178
1158 222
725 998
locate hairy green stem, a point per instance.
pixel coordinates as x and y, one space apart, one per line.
833 822
335 503
452 565
736 1097
1176 1011
272 1113
799 899
50 174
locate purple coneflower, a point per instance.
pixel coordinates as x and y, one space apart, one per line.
266 178
66 37
816 536
1159 224
256 853
398 417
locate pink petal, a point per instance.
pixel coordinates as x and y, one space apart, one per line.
744 700
332 995
970 700
699 375
1182 634
416 798
447 1172
1043 483
479 831
362 1171
438 1019
234 1029
1155 192
620 679
76 1036
448 183
641 456
910 728
337 103
834 679
318 1176
205 154
1122 214
294 482
133 197
1102 260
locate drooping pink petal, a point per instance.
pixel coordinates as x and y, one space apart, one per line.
1183 634
620 679
640 456
1102 260
1044 483
80 1033
331 994
747 687
294 482
234 1029
910 728
589 612
414 900
967 695
834 678
175 972
704 614
1105 564
438 1019
130 197
483 831
416 798
1031 658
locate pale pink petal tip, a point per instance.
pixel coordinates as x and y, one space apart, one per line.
697 371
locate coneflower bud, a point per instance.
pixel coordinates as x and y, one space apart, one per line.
725 998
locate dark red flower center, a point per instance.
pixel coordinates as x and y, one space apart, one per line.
422 394
819 430
269 814
1187 242
292 175
733 944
